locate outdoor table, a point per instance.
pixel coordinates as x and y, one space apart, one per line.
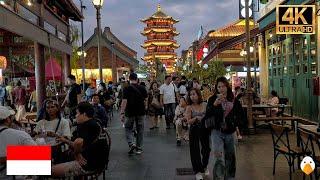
29 123
57 148
266 106
310 128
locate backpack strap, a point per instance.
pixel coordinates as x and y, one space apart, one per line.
3 129
57 125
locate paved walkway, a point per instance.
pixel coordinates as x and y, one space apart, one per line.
161 157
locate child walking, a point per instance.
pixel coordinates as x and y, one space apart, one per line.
181 121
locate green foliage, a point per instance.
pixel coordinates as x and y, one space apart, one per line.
142 69
215 69
75 37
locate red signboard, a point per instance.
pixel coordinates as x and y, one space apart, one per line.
316 86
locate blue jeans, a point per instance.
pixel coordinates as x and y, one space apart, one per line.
129 124
224 157
169 110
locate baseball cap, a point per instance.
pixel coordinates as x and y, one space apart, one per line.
6 112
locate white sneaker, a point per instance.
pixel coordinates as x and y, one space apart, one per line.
199 176
206 172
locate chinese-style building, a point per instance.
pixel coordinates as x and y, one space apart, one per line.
34 34
117 58
160 43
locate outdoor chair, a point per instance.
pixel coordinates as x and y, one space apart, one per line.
283 101
315 146
305 141
281 145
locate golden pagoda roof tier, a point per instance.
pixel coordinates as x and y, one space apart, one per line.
161 43
160 56
160 30
159 15
231 30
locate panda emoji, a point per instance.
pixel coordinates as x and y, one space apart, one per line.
307 165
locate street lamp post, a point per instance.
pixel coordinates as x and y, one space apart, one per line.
82 53
249 90
98 4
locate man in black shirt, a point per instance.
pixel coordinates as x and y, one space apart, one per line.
133 108
88 156
72 96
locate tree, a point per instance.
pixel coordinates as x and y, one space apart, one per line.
215 69
75 37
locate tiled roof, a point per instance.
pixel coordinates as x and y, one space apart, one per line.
231 30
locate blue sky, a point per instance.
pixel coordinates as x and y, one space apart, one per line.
123 17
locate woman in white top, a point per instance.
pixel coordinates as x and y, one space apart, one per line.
53 124
273 101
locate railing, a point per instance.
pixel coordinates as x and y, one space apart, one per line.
154 27
159 40
159 53
27 14
269 7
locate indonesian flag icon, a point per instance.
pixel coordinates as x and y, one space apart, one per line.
28 160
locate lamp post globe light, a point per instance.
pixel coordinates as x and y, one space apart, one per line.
98 4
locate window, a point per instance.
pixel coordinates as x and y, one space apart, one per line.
305 69
313 68
27 14
62 36
51 29
17 39
297 69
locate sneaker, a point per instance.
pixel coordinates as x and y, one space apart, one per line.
206 172
131 149
199 176
157 127
152 128
239 137
139 151
178 142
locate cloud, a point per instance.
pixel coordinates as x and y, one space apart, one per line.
123 17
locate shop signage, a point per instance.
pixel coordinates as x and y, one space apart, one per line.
295 19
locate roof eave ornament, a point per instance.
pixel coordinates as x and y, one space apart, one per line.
159 7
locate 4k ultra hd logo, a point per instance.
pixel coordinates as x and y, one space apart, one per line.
295 19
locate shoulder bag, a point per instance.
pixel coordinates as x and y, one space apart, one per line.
155 102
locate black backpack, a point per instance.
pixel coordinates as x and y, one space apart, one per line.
102 147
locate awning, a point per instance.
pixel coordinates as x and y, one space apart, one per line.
53 69
228 44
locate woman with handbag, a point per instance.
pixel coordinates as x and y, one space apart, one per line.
223 114
198 134
154 107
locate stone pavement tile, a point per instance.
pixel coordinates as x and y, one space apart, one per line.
161 157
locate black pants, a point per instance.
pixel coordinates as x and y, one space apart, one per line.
199 135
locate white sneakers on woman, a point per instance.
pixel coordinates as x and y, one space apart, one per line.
199 176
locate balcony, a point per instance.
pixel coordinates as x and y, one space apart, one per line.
159 27
160 40
159 53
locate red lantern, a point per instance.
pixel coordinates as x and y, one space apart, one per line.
3 62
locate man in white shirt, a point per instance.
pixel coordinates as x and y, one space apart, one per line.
10 136
169 95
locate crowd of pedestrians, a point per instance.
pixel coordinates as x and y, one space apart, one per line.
206 117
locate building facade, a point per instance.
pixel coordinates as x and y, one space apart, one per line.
160 43
117 59
30 31
290 63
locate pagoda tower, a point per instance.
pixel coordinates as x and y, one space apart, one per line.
160 43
